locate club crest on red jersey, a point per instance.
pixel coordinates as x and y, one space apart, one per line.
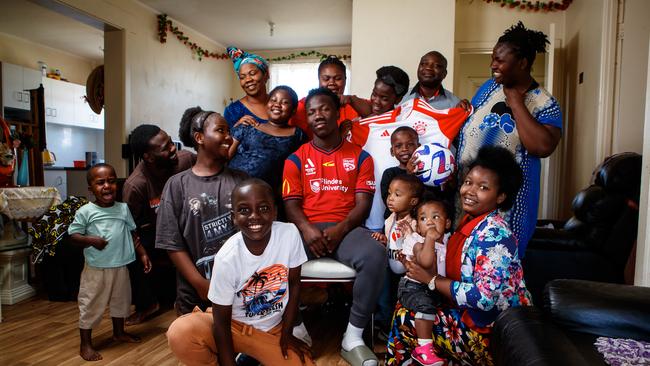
314 184
348 164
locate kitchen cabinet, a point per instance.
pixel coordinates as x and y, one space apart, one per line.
83 114
65 104
16 83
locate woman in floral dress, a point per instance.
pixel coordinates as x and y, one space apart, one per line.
483 270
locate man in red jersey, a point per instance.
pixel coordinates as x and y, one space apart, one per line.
327 189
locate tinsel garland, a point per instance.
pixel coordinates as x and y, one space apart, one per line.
533 5
165 25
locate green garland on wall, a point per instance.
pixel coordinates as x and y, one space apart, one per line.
165 25
533 5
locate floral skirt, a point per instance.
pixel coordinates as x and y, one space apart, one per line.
453 339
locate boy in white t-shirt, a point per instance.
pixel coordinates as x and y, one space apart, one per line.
254 291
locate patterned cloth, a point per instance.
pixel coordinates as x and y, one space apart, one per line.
52 226
619 352
493 124
261 155
453 339
240 57
492 278
236 110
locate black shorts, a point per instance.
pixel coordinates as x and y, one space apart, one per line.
417 297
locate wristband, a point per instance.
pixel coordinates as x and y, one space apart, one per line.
432 283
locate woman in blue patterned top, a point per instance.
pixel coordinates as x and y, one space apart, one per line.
513 111
261 149
253 73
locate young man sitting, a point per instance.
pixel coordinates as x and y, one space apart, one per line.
327 188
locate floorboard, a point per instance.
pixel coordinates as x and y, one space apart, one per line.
41 332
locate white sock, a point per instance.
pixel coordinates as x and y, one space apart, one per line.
353 337
300 332
424 341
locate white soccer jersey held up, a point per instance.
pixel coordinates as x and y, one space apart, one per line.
373 135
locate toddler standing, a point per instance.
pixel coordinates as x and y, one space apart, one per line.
404 194
105 229
424 248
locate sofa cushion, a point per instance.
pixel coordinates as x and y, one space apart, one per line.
604 309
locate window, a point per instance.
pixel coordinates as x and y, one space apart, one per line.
301 76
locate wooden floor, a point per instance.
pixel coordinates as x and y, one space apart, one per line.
41 332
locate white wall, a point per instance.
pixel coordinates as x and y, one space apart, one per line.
479 25
70 143
386 32
160 80
478 22
642 266
628 131
583 35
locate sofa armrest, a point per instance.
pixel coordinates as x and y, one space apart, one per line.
525 336
552 239
550 224
604 309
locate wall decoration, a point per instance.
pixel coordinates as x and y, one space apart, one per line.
165 25
533 5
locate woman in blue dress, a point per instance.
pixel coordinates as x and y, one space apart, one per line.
253 73
261 149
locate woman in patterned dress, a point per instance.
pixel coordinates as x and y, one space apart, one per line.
483 270
513 111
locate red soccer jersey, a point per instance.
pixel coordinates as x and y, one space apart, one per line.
327 181
299 118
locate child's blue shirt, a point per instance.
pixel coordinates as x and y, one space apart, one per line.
114 224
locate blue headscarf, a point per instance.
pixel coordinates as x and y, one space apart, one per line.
240 57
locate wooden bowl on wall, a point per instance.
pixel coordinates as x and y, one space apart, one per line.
95 89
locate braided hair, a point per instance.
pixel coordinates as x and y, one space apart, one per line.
331 60
525 43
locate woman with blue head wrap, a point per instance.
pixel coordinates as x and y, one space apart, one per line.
253 74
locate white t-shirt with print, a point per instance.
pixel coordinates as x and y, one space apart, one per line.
257 287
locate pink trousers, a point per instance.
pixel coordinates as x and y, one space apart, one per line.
190 339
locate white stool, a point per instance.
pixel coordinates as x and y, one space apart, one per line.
328 270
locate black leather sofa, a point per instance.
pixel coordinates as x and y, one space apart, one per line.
574 314
596 242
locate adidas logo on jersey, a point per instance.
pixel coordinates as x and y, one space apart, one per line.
385 134
310 168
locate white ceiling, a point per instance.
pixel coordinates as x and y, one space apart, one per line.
245 23
33 22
